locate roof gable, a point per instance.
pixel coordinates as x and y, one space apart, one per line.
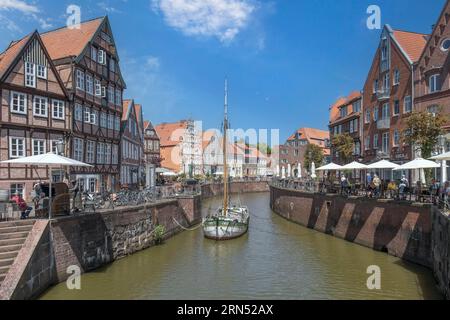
12 53
411 43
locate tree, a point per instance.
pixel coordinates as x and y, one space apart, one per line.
344 146
264 148
423 130
313 153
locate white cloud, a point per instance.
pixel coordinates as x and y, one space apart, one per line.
223 19
153 63
18 5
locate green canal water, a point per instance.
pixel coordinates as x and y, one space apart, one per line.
276 260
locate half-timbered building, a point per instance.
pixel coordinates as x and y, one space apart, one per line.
88 63
151 153
35 115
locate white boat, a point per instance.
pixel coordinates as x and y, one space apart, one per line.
229 222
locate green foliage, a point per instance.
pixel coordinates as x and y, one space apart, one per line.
264 148
158 234
344 146
423 130
314 154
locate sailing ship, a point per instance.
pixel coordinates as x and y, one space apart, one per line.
229 221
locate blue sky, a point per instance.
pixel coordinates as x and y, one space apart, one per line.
286 60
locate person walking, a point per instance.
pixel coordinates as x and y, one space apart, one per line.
377 185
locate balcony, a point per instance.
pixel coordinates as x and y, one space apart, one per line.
384 124
384 94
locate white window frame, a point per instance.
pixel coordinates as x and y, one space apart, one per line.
385 142
405 111
30 74
38 112
103 120
87 115
111 95
41 72
396 80
94 53
101 56
89 84
110 122
79 115
58 106
17 109
117 123
433 83
78 152
80 81
395 114
118 97
90 151
43 145
17 155
396 138
376 138
98 88
103 92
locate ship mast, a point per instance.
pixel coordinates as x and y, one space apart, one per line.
225 142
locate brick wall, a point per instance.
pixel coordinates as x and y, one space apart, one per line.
399 229
441 251
216 189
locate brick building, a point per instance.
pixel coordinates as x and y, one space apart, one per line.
34 115
88 63
152 153
292 153
131 146
345 117
388 95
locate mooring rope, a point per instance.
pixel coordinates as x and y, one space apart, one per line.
187 229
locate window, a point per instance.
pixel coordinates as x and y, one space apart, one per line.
30 75
357 150
368 116
385 112
117 123
93 117
58 109
42 72
434 84
103 92
100 153
434 109
111 122
352 124
54 146
385 143
357 106
115 153
367 143
112 65
445 45
89 84
98 88
375 141
101 57
78 112
40 107
87 115
375 86
375 114
386 82
38 147
18 102
110 94
94 54
344 112
16 188
396 77
80 80
92 185
16 147
408 104
108 154
90 151
396 108
103 120
396 138
78 149
118 97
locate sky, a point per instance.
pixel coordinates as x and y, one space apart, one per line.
286 61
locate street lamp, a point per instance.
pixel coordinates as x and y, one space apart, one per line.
60 147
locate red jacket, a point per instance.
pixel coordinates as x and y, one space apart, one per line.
20 202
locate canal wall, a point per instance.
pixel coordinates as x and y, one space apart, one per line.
216 189
441 250
400 229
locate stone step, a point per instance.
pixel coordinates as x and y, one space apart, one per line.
11 248
4 269
13 235
6 262
11 242
9 255
17 223
15 229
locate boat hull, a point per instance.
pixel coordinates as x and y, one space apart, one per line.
221 229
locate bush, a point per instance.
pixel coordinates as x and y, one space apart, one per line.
158 234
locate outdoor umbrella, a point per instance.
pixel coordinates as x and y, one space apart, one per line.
313 171
330 167
419 163
354 166
442 157
289 171
169 174
383 164
283 173
49 160
162 170
299 174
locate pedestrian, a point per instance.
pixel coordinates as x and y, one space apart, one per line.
23 206
37 188
377 185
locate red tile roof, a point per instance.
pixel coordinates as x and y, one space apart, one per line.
170 133
9 55
412 43
125 106
65 42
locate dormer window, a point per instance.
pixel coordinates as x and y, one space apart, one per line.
41 72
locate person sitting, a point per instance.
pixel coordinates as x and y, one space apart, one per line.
344 184
22 205
392 189
403 187
377 186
